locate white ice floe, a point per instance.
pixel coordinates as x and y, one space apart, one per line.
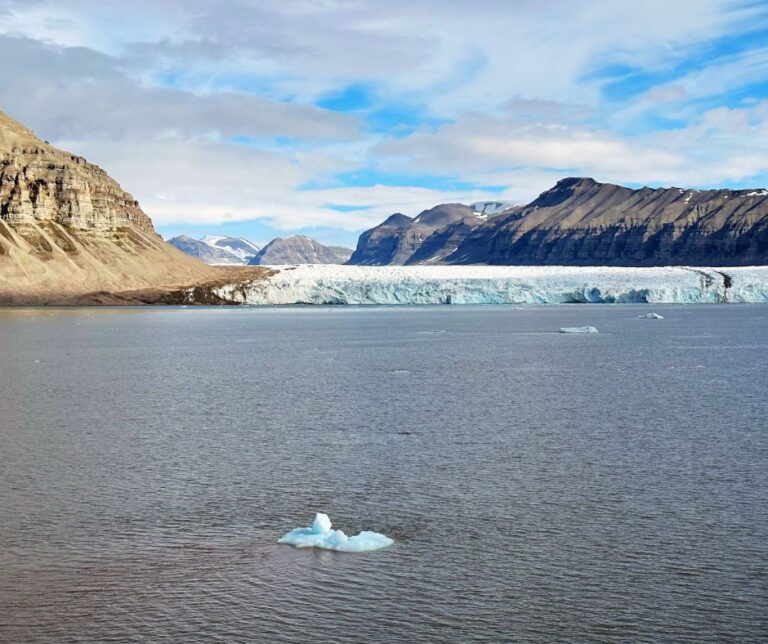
578 329
650 316
321 535
334 284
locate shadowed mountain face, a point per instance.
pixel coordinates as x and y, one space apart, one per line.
378 246
582 222
402 240
299 249
67 228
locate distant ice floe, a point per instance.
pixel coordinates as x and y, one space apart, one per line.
333 284
321 535
650 316
578 329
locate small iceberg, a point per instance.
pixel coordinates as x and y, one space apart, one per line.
578 329
650 316
320 535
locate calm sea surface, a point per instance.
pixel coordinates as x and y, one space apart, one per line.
540 486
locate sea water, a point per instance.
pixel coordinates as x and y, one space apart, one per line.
538 486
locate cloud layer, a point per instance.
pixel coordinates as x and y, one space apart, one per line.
335 113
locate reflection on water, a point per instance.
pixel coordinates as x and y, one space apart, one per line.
539 486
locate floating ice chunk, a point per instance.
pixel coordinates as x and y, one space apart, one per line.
320 535
322 523
650 316
578 329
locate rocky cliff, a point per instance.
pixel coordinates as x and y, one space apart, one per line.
582 222
67 228
299 249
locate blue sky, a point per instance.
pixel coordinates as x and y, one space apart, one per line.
265 118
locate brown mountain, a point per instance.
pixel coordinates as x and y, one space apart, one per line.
68 229
299 249
402 240
582 222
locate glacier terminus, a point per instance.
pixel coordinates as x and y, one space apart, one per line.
397 285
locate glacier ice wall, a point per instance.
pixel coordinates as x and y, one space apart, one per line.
332 284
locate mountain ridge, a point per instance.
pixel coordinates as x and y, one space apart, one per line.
399 237
299 249
582 222
205 252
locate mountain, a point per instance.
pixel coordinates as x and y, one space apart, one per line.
205 252
377 246
299 249
402 240
237 246
581 222
68 229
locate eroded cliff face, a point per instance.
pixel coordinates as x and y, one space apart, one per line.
41 183
67 228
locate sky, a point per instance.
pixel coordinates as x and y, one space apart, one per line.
322 117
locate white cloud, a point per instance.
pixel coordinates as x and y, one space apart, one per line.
722 145
76 92
481 144
449 54
152 91
207 183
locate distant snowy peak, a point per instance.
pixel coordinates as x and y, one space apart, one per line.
205 252
217 250
490 208
238 246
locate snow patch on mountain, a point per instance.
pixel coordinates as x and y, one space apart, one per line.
487 209
238 246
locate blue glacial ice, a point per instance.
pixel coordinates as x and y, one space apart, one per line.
321 535
331 284
578 329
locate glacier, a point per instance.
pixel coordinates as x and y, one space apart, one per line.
337 284
321 535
